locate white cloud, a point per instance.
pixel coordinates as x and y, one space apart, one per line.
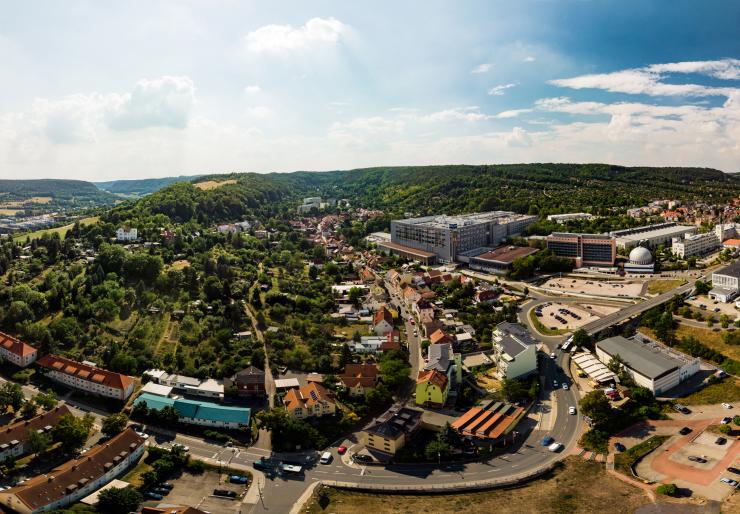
513 113
286 38
462 114
260 112
252 89
649 80
530 58
163 102
519 137
500 89
481 68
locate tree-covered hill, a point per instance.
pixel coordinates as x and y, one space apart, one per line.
55 193
141 187
534 188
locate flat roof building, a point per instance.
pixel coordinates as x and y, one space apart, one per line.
562 218
726 283
196 412
445 236
696 244
499 260
651 235
583 249
649 364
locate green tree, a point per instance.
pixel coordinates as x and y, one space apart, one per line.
29 408
114 424
581 339
11 395
596 406
72 432
437 449
513 390
38 442
46 400
667 489
119 501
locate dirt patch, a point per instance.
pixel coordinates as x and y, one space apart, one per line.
566 491
180 265
213 184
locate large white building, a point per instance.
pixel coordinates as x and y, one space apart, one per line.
127 234
650 365
208 388
697 244
726 231
67 483
651 236
726 283
86 377
17 352
562 218
514 351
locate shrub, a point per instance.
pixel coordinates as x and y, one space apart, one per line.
667 489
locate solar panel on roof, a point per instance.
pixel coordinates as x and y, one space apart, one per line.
314 397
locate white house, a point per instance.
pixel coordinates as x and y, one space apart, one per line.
86 377
514 351
127 234
17 352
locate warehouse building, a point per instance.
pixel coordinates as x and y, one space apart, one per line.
697 244
499 260
563 218
649 364
726 283
447 236
584 249
651 236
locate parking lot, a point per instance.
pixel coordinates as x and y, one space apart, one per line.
197 490
558 315
615 289
713 306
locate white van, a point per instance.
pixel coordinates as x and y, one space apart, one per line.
326 458
555 447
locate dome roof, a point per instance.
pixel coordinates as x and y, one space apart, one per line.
640 255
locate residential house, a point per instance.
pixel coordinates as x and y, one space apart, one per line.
514 351
311 401
197 412
67 483
432 388
87 378
127 234
17 352
14 437
382 321
248 382
391 431
423 308
439 336
392 341
358 379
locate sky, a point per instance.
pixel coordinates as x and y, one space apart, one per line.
134 89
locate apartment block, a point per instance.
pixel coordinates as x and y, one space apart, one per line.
87 378
697 244
17 352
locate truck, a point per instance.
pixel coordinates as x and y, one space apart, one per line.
291 469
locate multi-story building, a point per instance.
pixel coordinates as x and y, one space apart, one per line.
358 379
248 382
17 352
127 234
392 430
584 249
649 364
726 231
86 377
432 388
445 236
726 283
514 351
66 484
13 437
697 244
311 401
651 236
196 412
562 218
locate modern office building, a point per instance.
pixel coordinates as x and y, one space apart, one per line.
499 260
650 365
726 283
86 377
652 235
447 236
584 249
514 351
75 479
697 244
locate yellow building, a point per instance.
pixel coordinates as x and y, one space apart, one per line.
391 431
432 387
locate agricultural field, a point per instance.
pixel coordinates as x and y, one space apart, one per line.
62 231
213 184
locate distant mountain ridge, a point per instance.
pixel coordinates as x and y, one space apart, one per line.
55 193
142 187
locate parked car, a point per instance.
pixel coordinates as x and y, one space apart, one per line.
553 356
261 465
733 470
726 420
681 408
726 405
152 495
555 447
167 486
619 447
225 493
720 440
342 450
728 481
684 431
547 441
571 410
555 383
178 446
694 458
326 458
565 386
362 457
238 479
161 490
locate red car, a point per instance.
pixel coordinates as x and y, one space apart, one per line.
342 450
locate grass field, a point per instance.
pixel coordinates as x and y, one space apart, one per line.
180 265
709 338
580 487
62 231
663 286
8 212
728 390
213 184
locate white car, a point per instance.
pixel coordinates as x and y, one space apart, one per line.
571 410
553 356
565 386
142 435
726 405
555 447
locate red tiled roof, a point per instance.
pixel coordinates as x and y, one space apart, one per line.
15 346
296 397
383 314
434 377
18 431
439 337
364 374
99 375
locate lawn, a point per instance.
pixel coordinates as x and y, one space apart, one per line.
663 286
727 390
623 461
349 330
579 487
709 338
542 329
62 231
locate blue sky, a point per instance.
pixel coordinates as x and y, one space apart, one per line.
102 90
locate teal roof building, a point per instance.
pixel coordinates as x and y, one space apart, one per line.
199 412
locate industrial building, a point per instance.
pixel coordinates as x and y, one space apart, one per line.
726 283
650 365
697 244
499 260
562 218
651 236
514 351
446 236
584 249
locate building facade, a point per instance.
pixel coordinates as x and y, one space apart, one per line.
432 388
583 249
248 382
697 244
392 430
651 236
127 234
196 412
514 351
311 401
14 437
17 352
726 283
87 378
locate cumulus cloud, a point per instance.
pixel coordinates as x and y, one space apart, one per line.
500 89
252 89
287 38
649 80
481 68
163 102
462 114
519 137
